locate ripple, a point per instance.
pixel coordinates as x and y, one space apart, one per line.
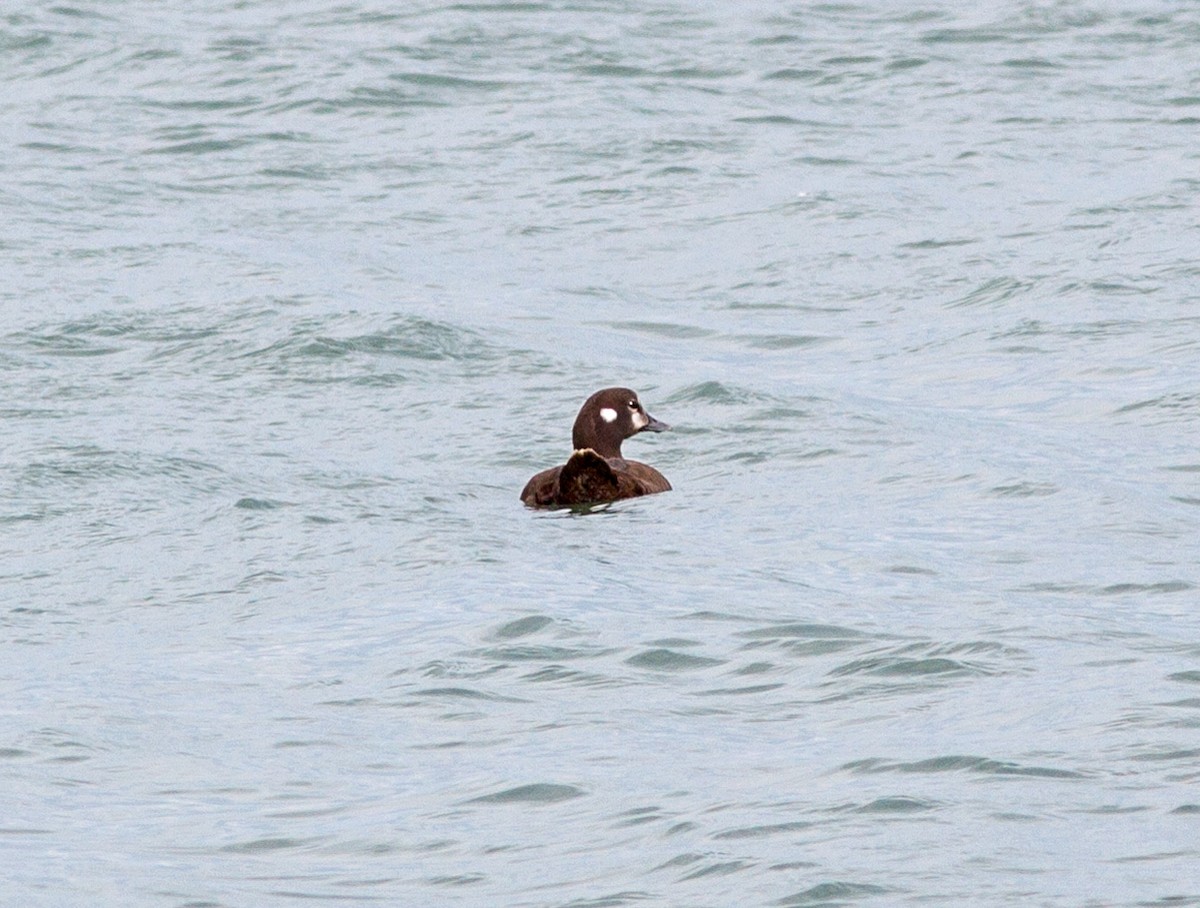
1025 489
763 830
638 816
791 74
833 893
1167 586
1114 589
929 660
547 653
1188 754
807 631
200 147
437 80
611 70
963 36
535 793
410 338
737 691
1166 408
771 120
259 504
81 465
716 868
464 693
780 341
715 392
669 660
897 805
523 627
981 765
615 900
940 244
664 329
461 879
992 293
905 667
267 845
65 345
554 674
385 98
805 640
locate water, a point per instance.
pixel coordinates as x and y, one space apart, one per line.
296 298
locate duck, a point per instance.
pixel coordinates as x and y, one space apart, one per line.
596 473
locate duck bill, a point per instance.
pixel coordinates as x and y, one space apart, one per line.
654 425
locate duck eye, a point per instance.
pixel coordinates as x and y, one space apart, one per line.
633 405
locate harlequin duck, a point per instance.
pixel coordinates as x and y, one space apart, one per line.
597 472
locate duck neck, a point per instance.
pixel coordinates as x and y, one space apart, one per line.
606 447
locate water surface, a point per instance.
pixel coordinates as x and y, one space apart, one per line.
297 297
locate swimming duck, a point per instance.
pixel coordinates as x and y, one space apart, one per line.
597 472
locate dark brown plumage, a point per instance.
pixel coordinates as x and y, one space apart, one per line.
597 472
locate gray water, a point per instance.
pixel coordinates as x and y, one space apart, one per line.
295 298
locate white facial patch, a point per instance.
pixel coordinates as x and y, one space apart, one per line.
640 420
608 414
